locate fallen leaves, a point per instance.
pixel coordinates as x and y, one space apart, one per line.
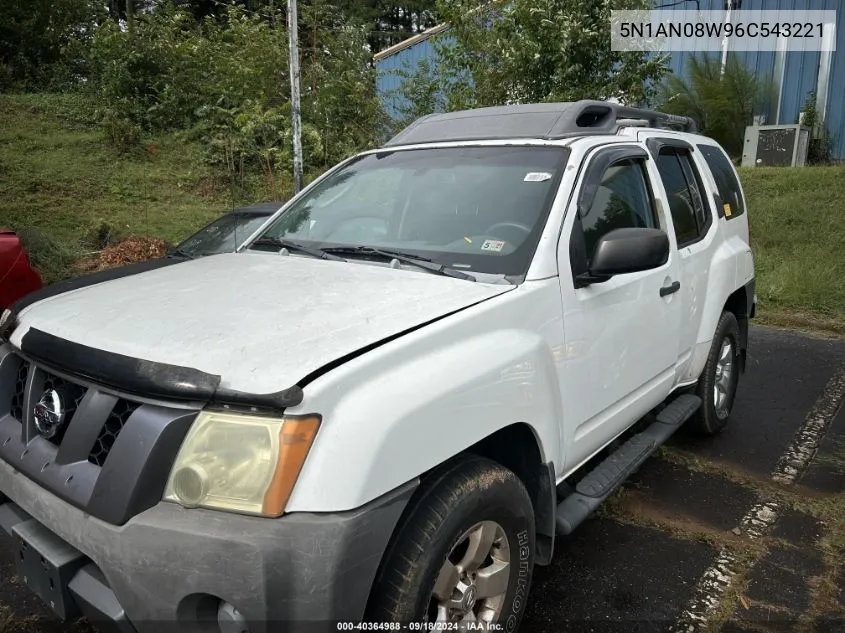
128 251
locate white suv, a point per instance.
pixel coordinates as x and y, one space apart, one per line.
439 356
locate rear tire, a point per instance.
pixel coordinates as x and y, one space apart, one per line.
718 382
463 551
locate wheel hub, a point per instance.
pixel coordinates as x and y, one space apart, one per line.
724 375
474 579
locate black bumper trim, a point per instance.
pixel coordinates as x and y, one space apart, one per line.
97 601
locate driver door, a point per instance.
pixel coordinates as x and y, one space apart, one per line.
622 335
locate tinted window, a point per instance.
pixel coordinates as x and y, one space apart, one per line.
622 201
682 184
726 181
473 208
223 235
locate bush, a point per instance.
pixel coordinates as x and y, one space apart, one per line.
225 80
124 135
821 143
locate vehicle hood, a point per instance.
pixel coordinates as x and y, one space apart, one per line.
260 321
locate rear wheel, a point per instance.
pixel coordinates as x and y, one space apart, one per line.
719 379
463 553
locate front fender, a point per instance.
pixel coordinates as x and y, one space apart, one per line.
397 412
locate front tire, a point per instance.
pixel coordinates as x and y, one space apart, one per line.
463 552
719 379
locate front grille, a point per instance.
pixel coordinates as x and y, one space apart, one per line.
81 457
18 393
111 429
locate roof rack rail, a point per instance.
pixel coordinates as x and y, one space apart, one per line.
545 121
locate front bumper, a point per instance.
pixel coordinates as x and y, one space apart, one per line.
168 568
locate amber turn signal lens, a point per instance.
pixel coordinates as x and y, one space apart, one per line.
295 439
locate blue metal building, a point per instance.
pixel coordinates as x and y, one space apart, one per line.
796 72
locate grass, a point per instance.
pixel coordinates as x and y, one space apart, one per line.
60 180
797 219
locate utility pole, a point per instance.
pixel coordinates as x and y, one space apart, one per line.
729 5
294 95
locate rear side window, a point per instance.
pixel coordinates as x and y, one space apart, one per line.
690 215
726 181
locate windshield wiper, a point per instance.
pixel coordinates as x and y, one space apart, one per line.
295 246
413 260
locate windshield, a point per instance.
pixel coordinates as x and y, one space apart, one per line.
468 208
224 235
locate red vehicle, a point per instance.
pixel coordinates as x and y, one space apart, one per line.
17 276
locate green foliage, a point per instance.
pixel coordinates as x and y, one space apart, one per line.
161 74
723 104
420 92
389 22
41 41
821 142
224 80
529 51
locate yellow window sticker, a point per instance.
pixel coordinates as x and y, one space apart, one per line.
727 210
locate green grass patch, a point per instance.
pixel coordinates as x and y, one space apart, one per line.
797 219
60 180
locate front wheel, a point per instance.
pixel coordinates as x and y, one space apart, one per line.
463 553
719 379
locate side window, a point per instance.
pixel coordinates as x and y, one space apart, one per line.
690 214
623 200
726 181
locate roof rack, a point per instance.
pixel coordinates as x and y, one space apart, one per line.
545 121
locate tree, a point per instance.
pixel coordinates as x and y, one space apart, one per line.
529 51
37 38
390 21
723 104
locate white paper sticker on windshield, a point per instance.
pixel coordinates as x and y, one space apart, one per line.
492 245
537 176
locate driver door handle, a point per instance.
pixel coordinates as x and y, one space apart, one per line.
670 289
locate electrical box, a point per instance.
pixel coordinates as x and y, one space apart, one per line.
776 146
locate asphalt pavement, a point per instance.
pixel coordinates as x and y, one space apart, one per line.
641 563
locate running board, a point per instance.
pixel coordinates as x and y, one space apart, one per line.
619 465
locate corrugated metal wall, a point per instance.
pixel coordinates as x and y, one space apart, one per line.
388 83
801 69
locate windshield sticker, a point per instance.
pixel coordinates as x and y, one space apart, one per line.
493 245
537 176
727 208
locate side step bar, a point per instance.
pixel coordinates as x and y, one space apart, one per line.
593 489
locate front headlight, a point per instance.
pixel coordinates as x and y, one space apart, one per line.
240 463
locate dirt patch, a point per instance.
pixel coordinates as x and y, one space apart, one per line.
128 251
636 507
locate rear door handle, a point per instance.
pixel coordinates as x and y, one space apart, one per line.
670 289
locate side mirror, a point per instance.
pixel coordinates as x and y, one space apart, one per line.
627 251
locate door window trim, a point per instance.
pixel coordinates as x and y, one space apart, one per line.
657 143
594 173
